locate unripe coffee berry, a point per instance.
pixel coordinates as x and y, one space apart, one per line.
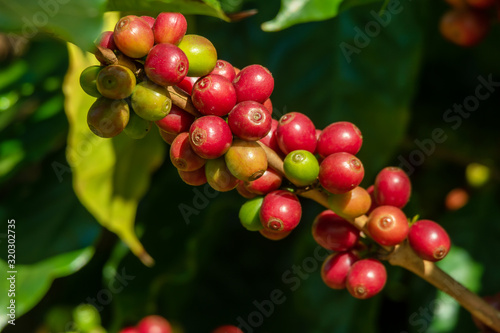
115 82
301 167
351 204
201 54
133 36
246 160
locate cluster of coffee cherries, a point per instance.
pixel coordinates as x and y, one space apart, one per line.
468 21
158 324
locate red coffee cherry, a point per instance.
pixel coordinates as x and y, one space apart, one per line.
254 83
243 191
275 236
177 121
227 329
129 330
296 132
333 232
149 20
280 211
193 178
250 120
225 69
387 225
268 105
169 28
464 27
340 137
392 187
336 267
210 136
106 40
429 240
214 95
187 84
366 278
182 154
268 182
271 139
154 324
166 65
340 173
133 36
167 137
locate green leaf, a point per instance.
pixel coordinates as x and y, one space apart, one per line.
76 21
110 176
201 7
33 281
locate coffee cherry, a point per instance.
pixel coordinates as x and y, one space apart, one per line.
249 214
86 317
268 105
169 28
187 84
88 80
351 204
210 136
182 154
371 192
280 211
129 330
218 175
340 173
268 182
176 121
201 54
366 278
336 267
254 83
301 167
115 82
246 160
296 132
167 137
429 240
137 127
194 178
456 199
333 232
154 324
151 101
108 117
166 64
271 139
275 236
213 95
106 40
387 225
149 20
464 27
227 329
225 69
250 121
339 137
392 187
243 191
133 36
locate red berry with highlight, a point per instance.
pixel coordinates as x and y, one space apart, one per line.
187 84
387 225
133 36
268 182
392 187
271 139
169 28
149 20
154 324
177 121
213 95
194 178
366 278
339 137
333 232
464 27
340 173
225 69
227 329
429 240
336 267
296 132
210 136
280 211
106 40
166 65
254 83
182 154
250 121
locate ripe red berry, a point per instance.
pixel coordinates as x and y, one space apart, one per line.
106 40
271 235
296 132
340 173
254 83
133 36
227 329
250 120
149 20
166 64
271 139
177 121
225 69
268 105
243 191
129 330
182 154
333 232
280 211
193 178
429 240
268 182
167 137
169 28
392 187
456 199
366 278
464 27
213 95
387 225
336 267
154 324
210 136
339 137
187 84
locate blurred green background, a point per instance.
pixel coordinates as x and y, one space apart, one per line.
397 89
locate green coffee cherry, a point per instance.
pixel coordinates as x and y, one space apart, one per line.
301 167
86 317
116 82
88 80
249 214
201 54
108 117
151 101
137 127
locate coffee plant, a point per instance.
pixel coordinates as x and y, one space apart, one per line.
167 129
